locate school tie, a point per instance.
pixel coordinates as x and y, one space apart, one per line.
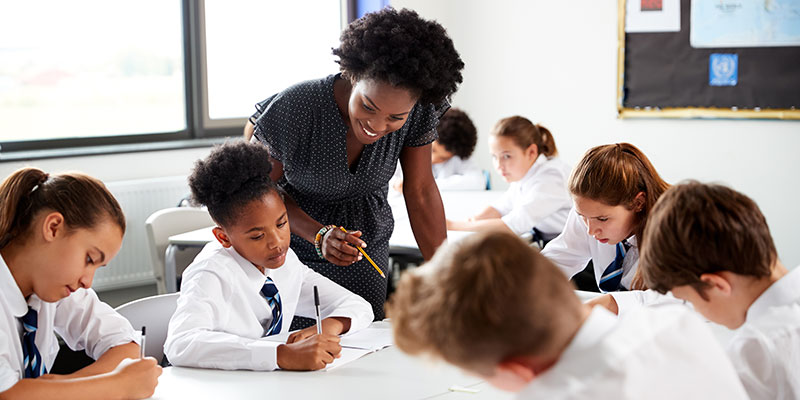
270 292
34 367
611 281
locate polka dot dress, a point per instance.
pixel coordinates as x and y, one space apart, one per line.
304 130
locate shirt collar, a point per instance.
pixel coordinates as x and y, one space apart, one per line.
254 277
10 291
784 291
579 358
535 167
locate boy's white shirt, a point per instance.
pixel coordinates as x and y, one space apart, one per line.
766 350
663 352
453 174
221 315
81 319
540 199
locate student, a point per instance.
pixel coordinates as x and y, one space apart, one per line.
726 265
525 155
450 153
55 231
614 186
493 306
250 284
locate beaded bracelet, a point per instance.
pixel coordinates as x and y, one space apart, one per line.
318 239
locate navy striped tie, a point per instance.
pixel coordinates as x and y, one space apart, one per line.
32 359
270 292
611 281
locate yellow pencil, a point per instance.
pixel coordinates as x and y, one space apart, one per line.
365 255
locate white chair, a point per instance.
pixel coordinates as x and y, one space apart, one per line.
154 313
167 222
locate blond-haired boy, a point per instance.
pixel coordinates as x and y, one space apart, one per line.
495 307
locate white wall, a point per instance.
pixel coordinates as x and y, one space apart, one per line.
556 63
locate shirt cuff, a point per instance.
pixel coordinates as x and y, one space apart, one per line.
265 355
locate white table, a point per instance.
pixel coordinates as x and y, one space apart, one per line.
386 374
457 205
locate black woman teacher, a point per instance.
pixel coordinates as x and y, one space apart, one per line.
335 143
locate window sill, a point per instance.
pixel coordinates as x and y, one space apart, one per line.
110 149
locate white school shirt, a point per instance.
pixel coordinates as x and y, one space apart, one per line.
766 350
574 247
453 174
81 319
221 315
540 199
663 352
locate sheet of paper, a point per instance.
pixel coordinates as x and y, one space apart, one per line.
652 16
372 338
348 355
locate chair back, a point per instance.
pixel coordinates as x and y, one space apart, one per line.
162 224
153 312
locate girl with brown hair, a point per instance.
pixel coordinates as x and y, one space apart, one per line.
55 231
525 155
614 187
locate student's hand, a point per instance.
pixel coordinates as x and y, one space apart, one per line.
606 301
309 354
398 185
332 325
455 225
137 378
337 246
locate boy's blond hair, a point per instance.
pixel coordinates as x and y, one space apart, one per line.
484 300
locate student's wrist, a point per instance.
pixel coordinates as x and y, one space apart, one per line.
336 325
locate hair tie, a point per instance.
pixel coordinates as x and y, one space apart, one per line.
42 180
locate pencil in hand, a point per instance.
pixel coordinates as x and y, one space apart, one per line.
365 255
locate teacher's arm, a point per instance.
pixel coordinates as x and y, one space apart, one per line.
423 202
335 245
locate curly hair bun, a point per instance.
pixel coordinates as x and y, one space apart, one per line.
404 50
233 174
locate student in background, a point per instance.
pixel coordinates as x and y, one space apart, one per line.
250 284
55 231
614 187
710 245
524 153
493 306
450 154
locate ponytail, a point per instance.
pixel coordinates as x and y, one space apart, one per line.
82 200
525 133
548 146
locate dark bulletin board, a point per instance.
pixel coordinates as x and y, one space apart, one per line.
662 75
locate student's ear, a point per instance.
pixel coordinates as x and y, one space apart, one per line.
718 284
52 226
639 201
222 237
533 151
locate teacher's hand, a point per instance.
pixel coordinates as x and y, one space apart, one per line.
337 246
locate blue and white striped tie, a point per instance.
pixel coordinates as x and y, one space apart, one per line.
611 281
270 292
32 359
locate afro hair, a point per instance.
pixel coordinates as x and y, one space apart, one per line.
404 50
457 133
233 175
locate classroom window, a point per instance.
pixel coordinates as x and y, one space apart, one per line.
90 68
86 73
256 48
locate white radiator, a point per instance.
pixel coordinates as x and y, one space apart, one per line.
139 199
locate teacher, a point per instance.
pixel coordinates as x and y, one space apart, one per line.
335 143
